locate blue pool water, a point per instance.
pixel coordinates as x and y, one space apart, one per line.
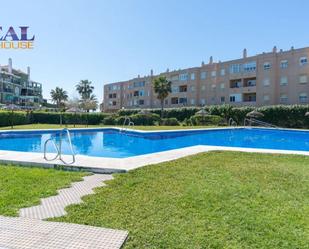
112 143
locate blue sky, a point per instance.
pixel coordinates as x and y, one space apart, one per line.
107 41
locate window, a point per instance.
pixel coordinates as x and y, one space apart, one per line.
222 72
283 98
174 101
183 76
266 98
250 66
141 93
283 81
192 101
183 101
203 101
303 79
175 89
166 102
222 99
112 95
303 61
266 82
183 88
213 87
267 66
175 78
235 97
192 88
203 87
303 98
136 93
235 68
139 84
141 102
213 73
192 76
284 64
203 75
222 85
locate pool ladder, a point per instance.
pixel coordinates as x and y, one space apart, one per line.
59 148
232 122
250 121
127 120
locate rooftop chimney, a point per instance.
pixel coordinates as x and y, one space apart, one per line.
28 72
203 63
138 76
244 53
211 60
292 48
275 49
10 66
167 70
151 72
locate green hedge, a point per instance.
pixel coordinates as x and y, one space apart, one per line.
290 116
67 118
206 120
8 118
170 121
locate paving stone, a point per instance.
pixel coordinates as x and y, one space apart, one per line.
26 233
54 206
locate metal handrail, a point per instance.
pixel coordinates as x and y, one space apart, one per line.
45 149
59 149
253 120
130 123
71 146
232 122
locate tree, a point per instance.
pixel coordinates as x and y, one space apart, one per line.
162 88
85 89
59 96
90 104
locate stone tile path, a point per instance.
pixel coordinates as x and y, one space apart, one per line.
29 231
25 233
54 206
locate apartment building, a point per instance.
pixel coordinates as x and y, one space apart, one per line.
276 77
17 88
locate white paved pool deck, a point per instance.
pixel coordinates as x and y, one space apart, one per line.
114 165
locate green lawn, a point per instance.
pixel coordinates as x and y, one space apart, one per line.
23 187
54 126
210 200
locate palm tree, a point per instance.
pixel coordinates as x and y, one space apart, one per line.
162 88
59 96
85 89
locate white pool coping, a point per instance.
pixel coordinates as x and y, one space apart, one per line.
114 165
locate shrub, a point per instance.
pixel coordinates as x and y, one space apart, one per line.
206 120
145 119
110 120
170 121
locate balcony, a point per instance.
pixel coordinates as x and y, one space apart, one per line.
250 82
235 83
249 97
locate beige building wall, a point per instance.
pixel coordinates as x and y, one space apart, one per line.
276 77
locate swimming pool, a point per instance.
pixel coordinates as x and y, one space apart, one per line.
114 143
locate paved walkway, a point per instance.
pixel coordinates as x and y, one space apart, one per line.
25 233
29 231
54 206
